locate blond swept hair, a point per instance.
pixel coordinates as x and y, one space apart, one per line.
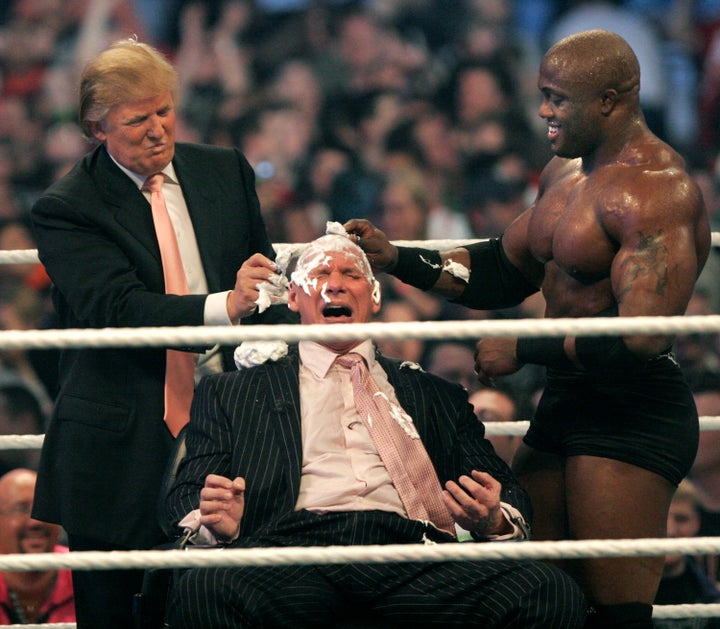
128 70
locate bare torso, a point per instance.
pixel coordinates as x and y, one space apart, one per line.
609 235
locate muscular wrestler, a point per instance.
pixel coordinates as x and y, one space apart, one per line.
617 228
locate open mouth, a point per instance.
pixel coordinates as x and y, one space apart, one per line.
336 311
553 130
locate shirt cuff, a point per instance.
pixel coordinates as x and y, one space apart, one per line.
215 312
203 536
520 532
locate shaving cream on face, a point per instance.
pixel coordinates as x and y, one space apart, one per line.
316 255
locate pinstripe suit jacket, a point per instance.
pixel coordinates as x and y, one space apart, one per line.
247 424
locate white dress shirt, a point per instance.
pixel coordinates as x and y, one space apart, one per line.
215 311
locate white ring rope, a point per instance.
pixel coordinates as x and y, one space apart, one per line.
25 256
31 255
514 428
204 558
231 335
214 557
132 337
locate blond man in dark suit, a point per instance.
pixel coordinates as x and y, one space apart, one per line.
106 447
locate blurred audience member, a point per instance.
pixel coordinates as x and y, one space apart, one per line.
454 361
213 65
496 405
698 352
34 596
683 580
404 206
495 197
16 234
22 412
397 310
705 472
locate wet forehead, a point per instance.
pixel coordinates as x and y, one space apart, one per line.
565 71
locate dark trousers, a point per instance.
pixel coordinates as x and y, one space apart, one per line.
103 598
522 594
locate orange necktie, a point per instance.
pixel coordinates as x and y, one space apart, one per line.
403 454
179 366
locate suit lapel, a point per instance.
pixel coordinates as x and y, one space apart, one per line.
284 393
205 212
420 405
128 205
405 388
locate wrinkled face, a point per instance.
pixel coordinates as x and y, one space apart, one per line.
19 533
140 135
334 287
571 108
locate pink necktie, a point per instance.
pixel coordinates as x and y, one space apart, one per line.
404 456
179 366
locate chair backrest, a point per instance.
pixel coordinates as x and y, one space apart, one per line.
176 456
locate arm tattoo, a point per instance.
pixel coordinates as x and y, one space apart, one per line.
649 259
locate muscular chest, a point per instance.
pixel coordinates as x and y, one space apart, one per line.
566 229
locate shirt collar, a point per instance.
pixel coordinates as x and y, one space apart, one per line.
319 359
139 180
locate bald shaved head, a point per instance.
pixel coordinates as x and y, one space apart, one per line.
597 58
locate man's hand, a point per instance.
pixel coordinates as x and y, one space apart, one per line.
381 253
474 503
241 300
495 357
222 504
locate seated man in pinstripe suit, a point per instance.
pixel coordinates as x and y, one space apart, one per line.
278 455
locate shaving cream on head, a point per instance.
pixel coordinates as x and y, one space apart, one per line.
316 254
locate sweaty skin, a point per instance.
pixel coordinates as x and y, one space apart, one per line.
617 222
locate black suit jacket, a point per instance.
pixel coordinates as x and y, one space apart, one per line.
106 447
248 424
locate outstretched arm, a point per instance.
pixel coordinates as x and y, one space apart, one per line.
422 268
481 275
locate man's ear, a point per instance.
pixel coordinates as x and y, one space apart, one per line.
609 99
97 131
376 297
292 301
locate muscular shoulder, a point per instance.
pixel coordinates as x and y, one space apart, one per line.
662 195
558 173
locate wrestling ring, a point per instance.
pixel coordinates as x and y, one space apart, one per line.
447 330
